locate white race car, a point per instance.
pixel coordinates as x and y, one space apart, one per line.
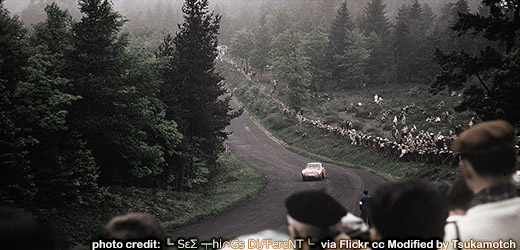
313 170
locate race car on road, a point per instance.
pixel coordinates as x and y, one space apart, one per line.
313 170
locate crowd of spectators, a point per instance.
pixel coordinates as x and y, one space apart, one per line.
407 144
422 147
480 207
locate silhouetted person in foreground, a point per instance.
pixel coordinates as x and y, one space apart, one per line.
135 226
314 215
458 199
407 210
487 161
20 230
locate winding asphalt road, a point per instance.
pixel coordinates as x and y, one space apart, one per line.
252 144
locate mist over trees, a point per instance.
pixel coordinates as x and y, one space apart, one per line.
463 46
97 94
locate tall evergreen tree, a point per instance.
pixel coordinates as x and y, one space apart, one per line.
117 113
411 47
402 42
376 26
94 68
428 18
417 20
427 49
194 93
355 59
375 19
341 24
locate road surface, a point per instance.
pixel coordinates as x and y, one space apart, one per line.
253 145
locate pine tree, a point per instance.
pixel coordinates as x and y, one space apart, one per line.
411 47
94 67
402 42
118 113
341 24
194 94
375 19
377 27
418 46
426 49
355 59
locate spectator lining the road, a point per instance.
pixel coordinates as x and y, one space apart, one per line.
403 210
363 206
487 161
429 149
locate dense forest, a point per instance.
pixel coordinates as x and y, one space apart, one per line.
469 52
82 110
99 93
147 17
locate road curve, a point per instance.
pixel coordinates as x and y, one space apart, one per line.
252 144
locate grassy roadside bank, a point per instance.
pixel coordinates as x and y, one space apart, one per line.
317 146
235 184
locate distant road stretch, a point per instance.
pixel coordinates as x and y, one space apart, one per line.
254 146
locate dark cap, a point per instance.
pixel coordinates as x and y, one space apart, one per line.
315 208
486 137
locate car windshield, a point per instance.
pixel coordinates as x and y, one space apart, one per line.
313 165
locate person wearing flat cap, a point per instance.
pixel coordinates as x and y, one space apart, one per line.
488 160
315 216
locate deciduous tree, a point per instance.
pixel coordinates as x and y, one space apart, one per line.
291 64
242 45
315 48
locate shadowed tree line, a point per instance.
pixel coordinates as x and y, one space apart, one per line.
81 110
